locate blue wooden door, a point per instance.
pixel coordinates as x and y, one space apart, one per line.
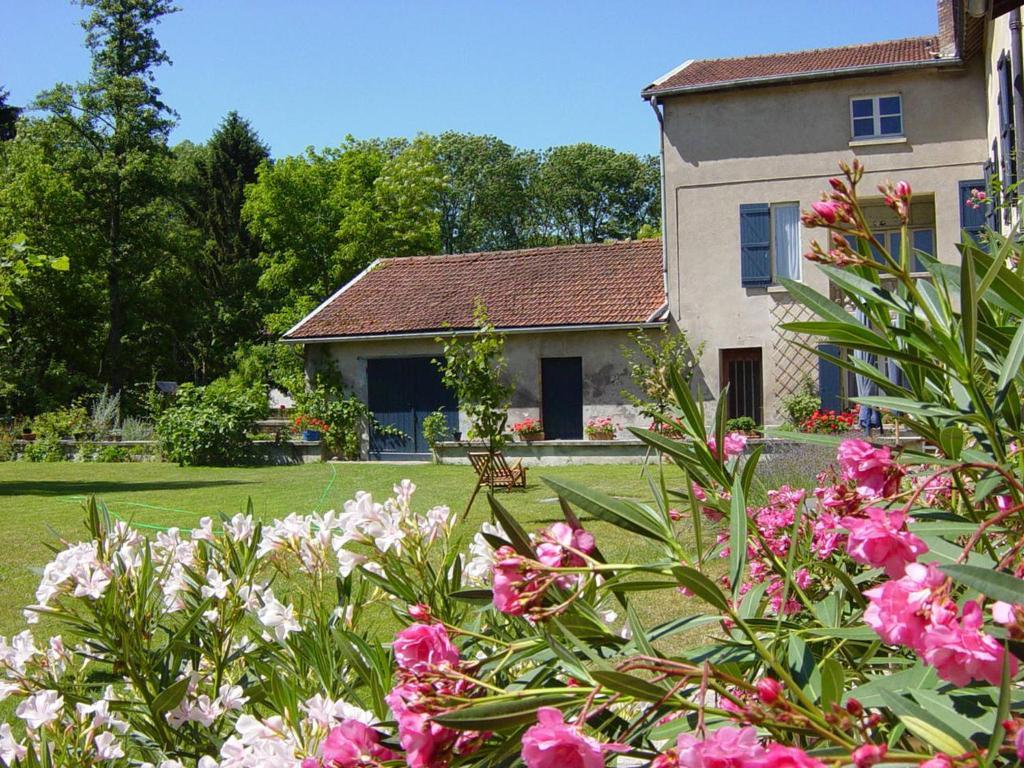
402 392
562 397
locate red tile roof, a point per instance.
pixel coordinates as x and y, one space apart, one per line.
709 74
602 284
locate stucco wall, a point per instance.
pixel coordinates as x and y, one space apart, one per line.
604 368
781 144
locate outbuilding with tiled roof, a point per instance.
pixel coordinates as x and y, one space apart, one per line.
567 311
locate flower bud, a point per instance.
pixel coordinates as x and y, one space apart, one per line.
419 612
827 210
902 189
854 707
867 755
768 690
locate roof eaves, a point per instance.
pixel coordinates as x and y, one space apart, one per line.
671 73
656 322
818 74
326 302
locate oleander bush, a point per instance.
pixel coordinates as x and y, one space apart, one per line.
876 619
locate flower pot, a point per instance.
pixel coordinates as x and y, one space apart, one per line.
530 437
310 435
608 434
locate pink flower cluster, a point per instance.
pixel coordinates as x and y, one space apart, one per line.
428 674
735 444
730 747
882 540
519 584
917 611
553 743
873 470
354 745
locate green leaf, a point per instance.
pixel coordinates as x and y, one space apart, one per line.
995 585
517 537
170 696
621 513
926 726
629 685
822 305
503 713
968 305
1011 365
701 586
60 263
831 441
870 693
472 595
832 683
737 537
952 441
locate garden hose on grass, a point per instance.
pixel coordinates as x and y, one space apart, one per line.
78 499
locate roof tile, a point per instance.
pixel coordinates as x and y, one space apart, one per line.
601 284
709 73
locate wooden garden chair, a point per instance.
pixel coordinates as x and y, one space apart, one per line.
494 471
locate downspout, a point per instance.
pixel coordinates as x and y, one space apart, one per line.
661 170
1018 90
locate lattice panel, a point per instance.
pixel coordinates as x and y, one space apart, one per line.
792 364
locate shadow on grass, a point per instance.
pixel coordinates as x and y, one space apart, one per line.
87 488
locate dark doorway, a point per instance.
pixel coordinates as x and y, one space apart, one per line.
401 392
741 370
562 397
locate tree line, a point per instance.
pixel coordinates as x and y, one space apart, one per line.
188 261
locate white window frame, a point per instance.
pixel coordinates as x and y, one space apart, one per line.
877 117
772 248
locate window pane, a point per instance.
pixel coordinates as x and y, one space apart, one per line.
864 126
862 108
922 240
891 126
786 226
889 105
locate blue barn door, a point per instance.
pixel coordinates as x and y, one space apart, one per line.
402 392
830 380
561 381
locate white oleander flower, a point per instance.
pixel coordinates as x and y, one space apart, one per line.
40 709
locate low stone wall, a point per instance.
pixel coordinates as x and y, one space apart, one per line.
553 452
288 452
267 451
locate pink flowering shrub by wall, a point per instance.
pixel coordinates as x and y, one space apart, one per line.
873 617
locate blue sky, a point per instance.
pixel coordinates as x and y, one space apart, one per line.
537 73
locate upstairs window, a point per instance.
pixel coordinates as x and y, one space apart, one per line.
876 117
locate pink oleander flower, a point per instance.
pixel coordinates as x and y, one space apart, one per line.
902 189
419 612
778 756
735 444
420 647
553 743
1018 743
867 755
828 210
768 690
425 742
940 760
962 653
727 747
515 586
882 541
901 610
1006 614
354 744
872 469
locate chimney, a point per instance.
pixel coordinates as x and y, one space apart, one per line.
949 31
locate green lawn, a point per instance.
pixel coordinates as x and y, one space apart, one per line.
39 502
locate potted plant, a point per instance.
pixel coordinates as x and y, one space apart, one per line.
601 428
528 430
744 425
312 429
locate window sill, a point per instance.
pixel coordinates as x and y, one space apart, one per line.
878 140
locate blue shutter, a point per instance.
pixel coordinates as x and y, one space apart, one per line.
1006 137
755 245
972 220
829 380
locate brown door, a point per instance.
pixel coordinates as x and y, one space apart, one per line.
741 371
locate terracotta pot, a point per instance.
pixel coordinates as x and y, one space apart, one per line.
530 437
606 435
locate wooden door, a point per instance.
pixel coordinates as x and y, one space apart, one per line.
562 397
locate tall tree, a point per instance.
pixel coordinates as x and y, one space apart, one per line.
8 116
485 202
118 159
589 193
221 269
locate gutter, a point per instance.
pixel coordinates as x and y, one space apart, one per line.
469 331
1018 91
820 74
661 171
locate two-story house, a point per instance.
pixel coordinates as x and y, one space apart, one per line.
747 142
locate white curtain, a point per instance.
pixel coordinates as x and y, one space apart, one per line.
786 221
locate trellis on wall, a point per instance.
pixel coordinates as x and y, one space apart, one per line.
792 363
